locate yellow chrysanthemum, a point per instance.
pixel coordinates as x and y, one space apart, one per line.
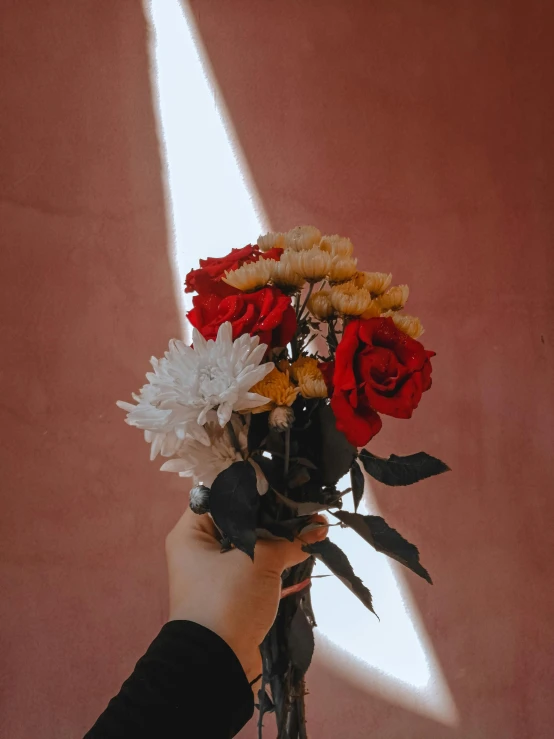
342 269
278 388
373 310
285 277
302 366
302 237
313 264
410 325
250 276
284 365
320 306
271 240
338 246
309 378
375 282
394 298
349 300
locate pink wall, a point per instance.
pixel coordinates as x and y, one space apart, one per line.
421 130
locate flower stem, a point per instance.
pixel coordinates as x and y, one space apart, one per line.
299 315
287 452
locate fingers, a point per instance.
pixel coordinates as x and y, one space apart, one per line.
279 555
270 555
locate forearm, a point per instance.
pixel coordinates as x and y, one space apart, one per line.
189 683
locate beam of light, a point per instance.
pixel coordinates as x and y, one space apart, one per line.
393 657
212 202
212 206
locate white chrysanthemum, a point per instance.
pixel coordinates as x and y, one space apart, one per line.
190 386
204 463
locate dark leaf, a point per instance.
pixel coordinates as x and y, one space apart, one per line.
273 471
337 454
358 483
383 538
402 470
298 475
257 430
337 561
304 508
304 462
266 705
282 529
300 641
234 503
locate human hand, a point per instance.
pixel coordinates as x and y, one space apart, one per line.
228 593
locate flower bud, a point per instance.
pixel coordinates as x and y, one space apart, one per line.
281 418
302 237
200 499
320 306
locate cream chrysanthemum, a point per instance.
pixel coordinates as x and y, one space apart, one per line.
349 300
285 277
337 246
375 282
271 240
302 237
410 325
190 386
394 298
319 305
373 310
306 373
250 276
277 388
342 269
313 264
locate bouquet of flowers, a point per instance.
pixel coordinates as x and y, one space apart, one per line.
296 356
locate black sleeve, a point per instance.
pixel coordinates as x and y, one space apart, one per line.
188 684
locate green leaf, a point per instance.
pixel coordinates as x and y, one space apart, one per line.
300 641
402 470
337 561
234 503
337 454
376 531
358 483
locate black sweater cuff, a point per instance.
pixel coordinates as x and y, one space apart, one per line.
189 684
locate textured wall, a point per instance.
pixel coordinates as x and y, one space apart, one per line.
422 130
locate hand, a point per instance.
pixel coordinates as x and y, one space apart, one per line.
228 593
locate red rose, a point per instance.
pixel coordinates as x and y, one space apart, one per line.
266 313
208 279
378 369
